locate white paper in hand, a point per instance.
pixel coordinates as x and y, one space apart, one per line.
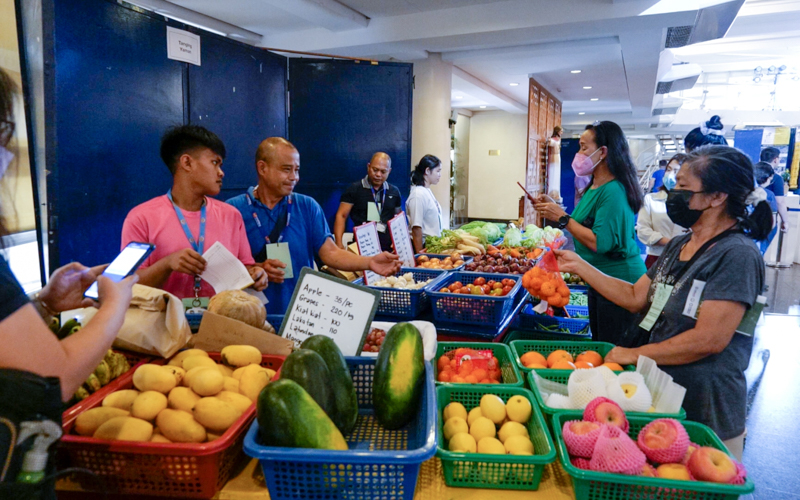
224 271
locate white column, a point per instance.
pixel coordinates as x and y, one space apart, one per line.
430 133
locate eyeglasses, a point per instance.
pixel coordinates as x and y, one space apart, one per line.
6 132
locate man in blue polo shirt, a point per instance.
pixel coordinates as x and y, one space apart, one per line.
286 230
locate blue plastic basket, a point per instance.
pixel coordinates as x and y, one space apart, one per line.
530 334
398 303
465 258
478 332
487 310
578 288
575 310
378 464
533 321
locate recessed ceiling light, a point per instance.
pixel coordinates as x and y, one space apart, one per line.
575 71
594 99
513 84
459 97
587 88
482 107
581 113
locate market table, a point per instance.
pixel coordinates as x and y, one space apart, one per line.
249 485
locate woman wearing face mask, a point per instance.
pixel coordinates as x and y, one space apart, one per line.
602 225
653 226
424 211
37 370
692 301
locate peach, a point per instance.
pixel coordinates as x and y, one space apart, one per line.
673 471
711 464
605 411
664 441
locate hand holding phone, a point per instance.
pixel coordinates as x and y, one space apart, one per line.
126 263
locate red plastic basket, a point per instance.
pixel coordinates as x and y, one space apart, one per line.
163 469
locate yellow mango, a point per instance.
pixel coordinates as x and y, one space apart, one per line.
230 384
87 422
182 398
148 405
252 382
151 377
215 414
177 360
121 399
194 361
180 427
124 429
178 372
225 371
240 402
240 355
207 382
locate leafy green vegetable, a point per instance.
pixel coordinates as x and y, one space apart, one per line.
513 238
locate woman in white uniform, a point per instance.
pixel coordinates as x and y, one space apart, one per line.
653 227
424 211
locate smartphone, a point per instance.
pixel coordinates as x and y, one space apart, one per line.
124 265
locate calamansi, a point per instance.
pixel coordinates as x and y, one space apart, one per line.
518 409
493 408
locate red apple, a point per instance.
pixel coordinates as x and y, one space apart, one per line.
711 464
582 427
664 441
580 437
673 471
659 435
692 447
611 414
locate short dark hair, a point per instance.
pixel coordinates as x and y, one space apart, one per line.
619 160
769 154
697 138
679 157
428 162
763 170
183 139
662 163
723 169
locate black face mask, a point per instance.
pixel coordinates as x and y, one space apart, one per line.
678 207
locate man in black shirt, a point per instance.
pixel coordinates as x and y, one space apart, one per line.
370 199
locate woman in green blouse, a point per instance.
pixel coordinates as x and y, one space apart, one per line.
602 224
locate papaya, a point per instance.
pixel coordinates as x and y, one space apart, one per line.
399 377
288 416
308 369
344 400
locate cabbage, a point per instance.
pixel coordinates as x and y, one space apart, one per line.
513 237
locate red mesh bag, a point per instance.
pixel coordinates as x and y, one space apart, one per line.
616 452
741 474
580 463
580 445
590 414
544 281
654 440
648 471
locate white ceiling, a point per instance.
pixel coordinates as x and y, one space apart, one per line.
492 43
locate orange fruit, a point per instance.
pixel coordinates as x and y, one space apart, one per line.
465 368
443 361
558 355
614 366
486 381
458 379
444 376
548 289
592 357
531 358
563 291
470 379
537 366
479 373
583 364
453 364
535 284
563 364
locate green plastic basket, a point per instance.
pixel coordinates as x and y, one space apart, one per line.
508 367
545 347
479 470
562 377
592 485
513 335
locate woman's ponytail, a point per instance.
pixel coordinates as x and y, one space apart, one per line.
758 224
428 162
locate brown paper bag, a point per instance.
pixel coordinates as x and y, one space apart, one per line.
154 324
218 331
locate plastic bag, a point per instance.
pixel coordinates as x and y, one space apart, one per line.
544 281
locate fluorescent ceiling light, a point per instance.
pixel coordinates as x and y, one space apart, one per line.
482 107
594 99
587 88
575 71
513 84
582 113
202 21
459 97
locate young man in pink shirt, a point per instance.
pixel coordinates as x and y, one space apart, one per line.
185 222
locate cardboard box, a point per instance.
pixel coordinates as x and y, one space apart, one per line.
218 331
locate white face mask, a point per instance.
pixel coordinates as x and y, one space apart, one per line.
5 160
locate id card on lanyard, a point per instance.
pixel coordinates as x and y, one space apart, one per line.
375 208
197 245
278 250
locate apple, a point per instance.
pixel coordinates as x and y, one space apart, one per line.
580 437
605 411
582 427
580 463
692 447
664 441
629 390
616 452
659 434
648 470
673 471
711 464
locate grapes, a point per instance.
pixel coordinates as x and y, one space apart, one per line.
374 341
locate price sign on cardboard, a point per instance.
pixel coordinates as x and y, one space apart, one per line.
368 245
324 305
398 228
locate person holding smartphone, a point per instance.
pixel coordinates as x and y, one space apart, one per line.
186 221
38 371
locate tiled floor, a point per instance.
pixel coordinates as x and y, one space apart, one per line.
783 294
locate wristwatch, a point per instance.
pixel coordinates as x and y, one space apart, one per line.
563 221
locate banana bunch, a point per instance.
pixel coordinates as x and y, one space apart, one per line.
113 365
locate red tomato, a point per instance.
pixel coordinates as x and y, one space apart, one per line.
479 281
486 289
497 285
506 290
464 290
491 283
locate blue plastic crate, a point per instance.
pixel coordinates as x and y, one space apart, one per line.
487 310
577 310
378 464
528 319
397 303
480 333
514 333
578 288
467 259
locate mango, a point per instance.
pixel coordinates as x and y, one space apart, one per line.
253 381
121 399
151 377
238 401
182 398
187 379
177 372
230 384
88 422
225 371
148 405
180 427
194 361
159 438
207 382
240 355
215 415
177 360
124 429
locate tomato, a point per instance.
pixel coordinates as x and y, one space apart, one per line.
491 283
445 290
455 286
497 285
486 289
464 290
506 290
479 281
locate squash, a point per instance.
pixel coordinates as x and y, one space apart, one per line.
239 305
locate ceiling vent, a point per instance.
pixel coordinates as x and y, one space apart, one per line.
665 111
679 77
655 125
678 36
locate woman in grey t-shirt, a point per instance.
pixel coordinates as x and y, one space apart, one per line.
692 301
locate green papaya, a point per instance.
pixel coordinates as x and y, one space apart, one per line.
343 393
288 416
399 377
308 369
66 328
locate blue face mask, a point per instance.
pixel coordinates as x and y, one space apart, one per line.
670 180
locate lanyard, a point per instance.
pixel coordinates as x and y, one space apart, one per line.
375 197
677 276
197 245
283 221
